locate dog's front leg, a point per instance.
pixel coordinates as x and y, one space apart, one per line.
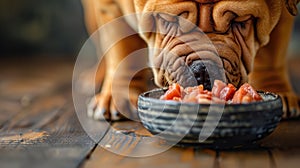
116 49
270 67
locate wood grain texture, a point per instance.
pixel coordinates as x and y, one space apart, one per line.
286 158
24 80
244 159
38 123
285 136
126 145
114 146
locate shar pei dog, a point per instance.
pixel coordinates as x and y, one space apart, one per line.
249 38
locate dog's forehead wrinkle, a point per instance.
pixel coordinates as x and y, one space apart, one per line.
179 62
177 74
246 40
206 1
233 79
228 68
167 29
174 66
227 44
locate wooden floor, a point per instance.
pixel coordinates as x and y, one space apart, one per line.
39 128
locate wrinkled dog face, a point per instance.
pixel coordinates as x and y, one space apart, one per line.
181 52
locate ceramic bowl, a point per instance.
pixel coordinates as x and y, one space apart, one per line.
217 125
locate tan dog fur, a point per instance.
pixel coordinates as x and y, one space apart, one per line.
266 65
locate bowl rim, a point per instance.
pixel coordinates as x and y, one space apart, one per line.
143 97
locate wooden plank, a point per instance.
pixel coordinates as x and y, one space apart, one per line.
31 76
285 136
43 157
280 149
252 157
126 145
24 80
284 144
244 159
47 134
8 108
287 157
44 130
205 158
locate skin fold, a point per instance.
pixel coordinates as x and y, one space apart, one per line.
193 42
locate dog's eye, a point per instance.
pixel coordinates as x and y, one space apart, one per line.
168 17
242 20
184 14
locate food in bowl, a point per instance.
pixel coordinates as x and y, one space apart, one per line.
220 93
181 123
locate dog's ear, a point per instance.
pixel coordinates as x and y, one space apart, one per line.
291 5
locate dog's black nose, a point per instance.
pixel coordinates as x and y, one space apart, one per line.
205 73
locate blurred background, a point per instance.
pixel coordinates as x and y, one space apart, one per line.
41 27
56 27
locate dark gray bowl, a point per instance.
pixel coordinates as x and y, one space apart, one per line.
221 126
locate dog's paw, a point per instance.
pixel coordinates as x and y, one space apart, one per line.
107 106
98 106
291 105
